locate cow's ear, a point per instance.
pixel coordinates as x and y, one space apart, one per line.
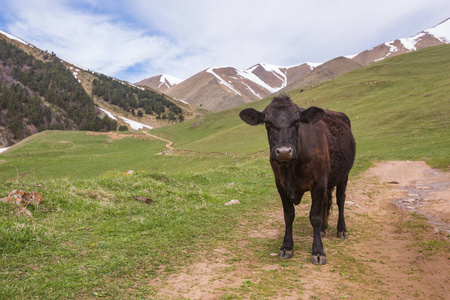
252 116
312 115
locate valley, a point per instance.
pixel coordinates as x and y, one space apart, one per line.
91 238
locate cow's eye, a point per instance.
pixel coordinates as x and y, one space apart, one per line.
268 125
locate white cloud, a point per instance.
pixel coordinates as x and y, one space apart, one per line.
281 32
140 38
94 41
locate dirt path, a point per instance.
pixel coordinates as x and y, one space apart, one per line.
117 136
168 145
390 254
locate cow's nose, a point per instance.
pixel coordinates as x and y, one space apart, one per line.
284 153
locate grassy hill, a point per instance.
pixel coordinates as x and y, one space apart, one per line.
90 238
398 108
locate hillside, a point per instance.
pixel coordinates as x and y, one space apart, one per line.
438 35
326 71
39 91
39 95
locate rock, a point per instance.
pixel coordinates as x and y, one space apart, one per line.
232 202
23 197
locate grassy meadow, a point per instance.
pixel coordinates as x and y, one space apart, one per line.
90 238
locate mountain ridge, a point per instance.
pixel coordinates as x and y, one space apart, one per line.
231 87
261 80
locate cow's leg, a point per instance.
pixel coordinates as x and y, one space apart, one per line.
286 250
318 195
326 212
340 196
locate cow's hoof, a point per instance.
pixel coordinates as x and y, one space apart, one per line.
342 235
285 254
318 260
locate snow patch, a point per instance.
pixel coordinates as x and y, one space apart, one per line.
253 78
78 66
441 31
12 37
351 56
172 80
182 101
221 81
252 91
3 149
312 66
110 114
135 86
391 46
133 124
278 71
409 44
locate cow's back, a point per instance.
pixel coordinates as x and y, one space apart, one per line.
341 146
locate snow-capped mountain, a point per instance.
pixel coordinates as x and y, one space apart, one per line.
230 86
160 83
220 88
437 35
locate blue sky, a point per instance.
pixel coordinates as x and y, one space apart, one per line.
136 39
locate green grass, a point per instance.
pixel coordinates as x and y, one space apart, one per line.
91 238
59 154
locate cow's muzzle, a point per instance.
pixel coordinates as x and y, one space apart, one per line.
284 154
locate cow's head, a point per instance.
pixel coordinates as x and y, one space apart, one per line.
283 119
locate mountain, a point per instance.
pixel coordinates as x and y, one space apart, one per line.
160 83
220 88
40 91
326 71
437 35
37 95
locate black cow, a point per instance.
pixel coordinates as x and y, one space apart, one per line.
310 150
